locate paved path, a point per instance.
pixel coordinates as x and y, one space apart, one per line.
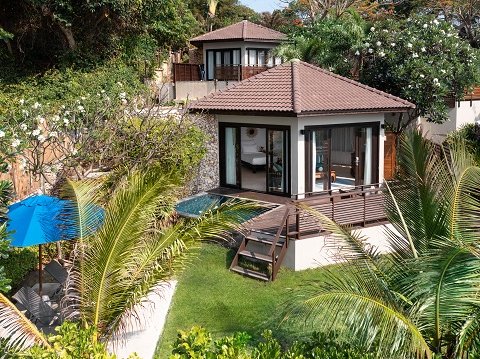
142 337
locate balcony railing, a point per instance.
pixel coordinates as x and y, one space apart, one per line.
195 72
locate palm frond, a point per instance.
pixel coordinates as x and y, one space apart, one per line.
469 336
355 302
17 330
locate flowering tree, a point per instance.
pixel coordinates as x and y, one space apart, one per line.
422 60
102 131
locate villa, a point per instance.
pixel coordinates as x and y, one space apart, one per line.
226 56
300 132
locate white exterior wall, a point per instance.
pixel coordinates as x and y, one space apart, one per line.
297 140
324 250
463 113
193 90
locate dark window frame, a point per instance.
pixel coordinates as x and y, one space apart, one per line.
222 51
288 151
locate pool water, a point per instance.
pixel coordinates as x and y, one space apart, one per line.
195 206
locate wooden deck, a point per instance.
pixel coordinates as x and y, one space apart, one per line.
362 206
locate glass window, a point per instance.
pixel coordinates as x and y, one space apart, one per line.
210 65
252 57
236 57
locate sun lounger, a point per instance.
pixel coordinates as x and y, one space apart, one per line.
57 271
35 306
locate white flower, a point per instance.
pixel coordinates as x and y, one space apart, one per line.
23 126
435 80
442 31
392 44
422 76
36 105
381 54
103 91
124 102
357 53
81 108
122 95
378 43
41 138
372 29
41 120
409 45
25 112
443 71
22 101
2 134
66 121
423 49
55 118
425 26
119 84
435 21
370 50
23 164
36 132
367 44
414 55
83 98
53 134
15 143
385 30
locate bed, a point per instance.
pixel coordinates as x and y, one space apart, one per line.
253 158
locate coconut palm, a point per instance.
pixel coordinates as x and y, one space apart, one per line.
139 246
423 299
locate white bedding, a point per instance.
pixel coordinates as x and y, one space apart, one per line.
255 158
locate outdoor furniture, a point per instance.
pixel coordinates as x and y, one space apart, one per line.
49 289
57 271
39 310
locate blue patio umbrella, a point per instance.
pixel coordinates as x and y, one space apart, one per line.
44 219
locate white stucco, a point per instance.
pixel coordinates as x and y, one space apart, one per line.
464 112
193 90
325 250
297 142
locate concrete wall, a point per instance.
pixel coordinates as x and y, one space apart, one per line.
325 250
297 140
193 90
464 112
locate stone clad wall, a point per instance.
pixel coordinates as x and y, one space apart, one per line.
207 176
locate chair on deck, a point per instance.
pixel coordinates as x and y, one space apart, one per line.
39 310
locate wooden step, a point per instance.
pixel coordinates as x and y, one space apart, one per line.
251 273
255 255
263 240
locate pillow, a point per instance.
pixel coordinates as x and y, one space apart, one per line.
249 148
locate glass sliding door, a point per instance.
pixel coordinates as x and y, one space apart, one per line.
255 158
277 161
340 157
229 175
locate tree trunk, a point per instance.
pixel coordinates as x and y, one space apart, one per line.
68 33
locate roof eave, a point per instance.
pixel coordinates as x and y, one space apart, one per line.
271 41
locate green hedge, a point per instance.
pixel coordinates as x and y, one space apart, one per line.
19 263
198 344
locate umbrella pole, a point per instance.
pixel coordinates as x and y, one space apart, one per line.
40 270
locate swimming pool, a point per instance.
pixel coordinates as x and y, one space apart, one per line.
195 206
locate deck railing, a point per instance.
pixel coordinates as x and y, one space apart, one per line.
357 206
195 72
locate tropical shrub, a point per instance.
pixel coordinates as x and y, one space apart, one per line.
422 300
420 59
18 263
197 343
6 190
470 133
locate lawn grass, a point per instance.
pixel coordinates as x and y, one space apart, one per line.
208 294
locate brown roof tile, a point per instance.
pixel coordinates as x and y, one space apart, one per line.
299 88
244 31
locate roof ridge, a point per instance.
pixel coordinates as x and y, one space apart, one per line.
296 99
244 29
214 31
359 84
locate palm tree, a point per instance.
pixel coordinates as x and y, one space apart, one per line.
139 246
423 299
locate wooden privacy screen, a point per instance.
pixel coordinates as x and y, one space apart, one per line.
390 155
